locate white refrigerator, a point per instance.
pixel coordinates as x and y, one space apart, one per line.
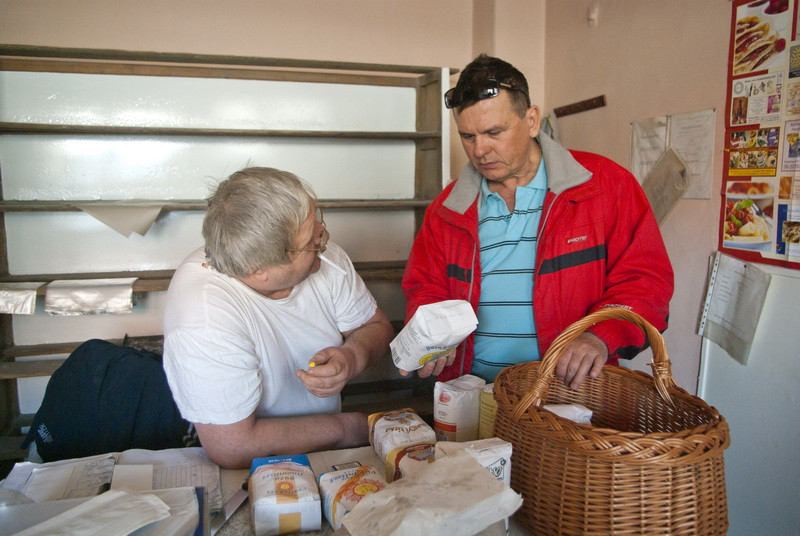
761 402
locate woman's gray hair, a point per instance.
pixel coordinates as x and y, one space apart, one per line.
253 218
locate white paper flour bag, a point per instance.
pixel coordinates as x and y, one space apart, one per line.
284 496
457 408
402 440
342 489
433 331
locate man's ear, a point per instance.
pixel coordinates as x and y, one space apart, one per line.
260 275
534 118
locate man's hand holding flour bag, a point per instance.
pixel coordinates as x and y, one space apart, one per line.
428 342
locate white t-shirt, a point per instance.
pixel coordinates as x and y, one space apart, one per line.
228 350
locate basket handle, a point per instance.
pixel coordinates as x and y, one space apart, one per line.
662 375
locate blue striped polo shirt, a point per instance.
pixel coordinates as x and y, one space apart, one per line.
506 333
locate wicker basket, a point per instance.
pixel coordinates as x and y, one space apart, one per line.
650 463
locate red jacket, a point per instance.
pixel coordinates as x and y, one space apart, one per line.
599 246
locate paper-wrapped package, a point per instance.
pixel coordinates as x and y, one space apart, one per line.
284 497
402 440
433 331
456 408
453 495
492 453
342 489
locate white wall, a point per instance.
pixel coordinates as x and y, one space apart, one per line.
649 59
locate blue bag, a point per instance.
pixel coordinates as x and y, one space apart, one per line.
107 398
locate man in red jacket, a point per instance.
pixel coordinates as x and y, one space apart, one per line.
535 237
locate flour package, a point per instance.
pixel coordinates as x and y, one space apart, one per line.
488 412
493 453
433 331
456 408
284 497
343 489
402 440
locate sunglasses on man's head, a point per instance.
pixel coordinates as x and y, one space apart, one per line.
487 89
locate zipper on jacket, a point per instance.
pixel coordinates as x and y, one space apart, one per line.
539 240
469 300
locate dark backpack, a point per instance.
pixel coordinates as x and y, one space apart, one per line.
107 398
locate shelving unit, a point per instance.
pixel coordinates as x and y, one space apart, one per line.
430 164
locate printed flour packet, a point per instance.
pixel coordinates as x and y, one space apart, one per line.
343 489
402 440
284 497
488 412
456 408
433 331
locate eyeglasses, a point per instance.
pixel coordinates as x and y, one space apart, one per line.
486 89
324 236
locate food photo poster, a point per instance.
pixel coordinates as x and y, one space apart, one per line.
760 215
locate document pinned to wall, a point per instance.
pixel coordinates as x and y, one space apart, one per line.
690 135
734 300
666 183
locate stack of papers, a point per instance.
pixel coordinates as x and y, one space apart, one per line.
101 491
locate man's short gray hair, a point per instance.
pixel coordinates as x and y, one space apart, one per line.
253 218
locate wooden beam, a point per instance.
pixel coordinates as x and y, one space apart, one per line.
582 106
92 54
193 204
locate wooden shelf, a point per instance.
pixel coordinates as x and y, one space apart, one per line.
12 370
133 58
158 280
103 130
425 137
197 204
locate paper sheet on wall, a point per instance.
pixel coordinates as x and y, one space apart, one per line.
648 143
665 184
691 135
125 217
734 299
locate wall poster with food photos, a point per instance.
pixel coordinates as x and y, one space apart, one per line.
760 216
